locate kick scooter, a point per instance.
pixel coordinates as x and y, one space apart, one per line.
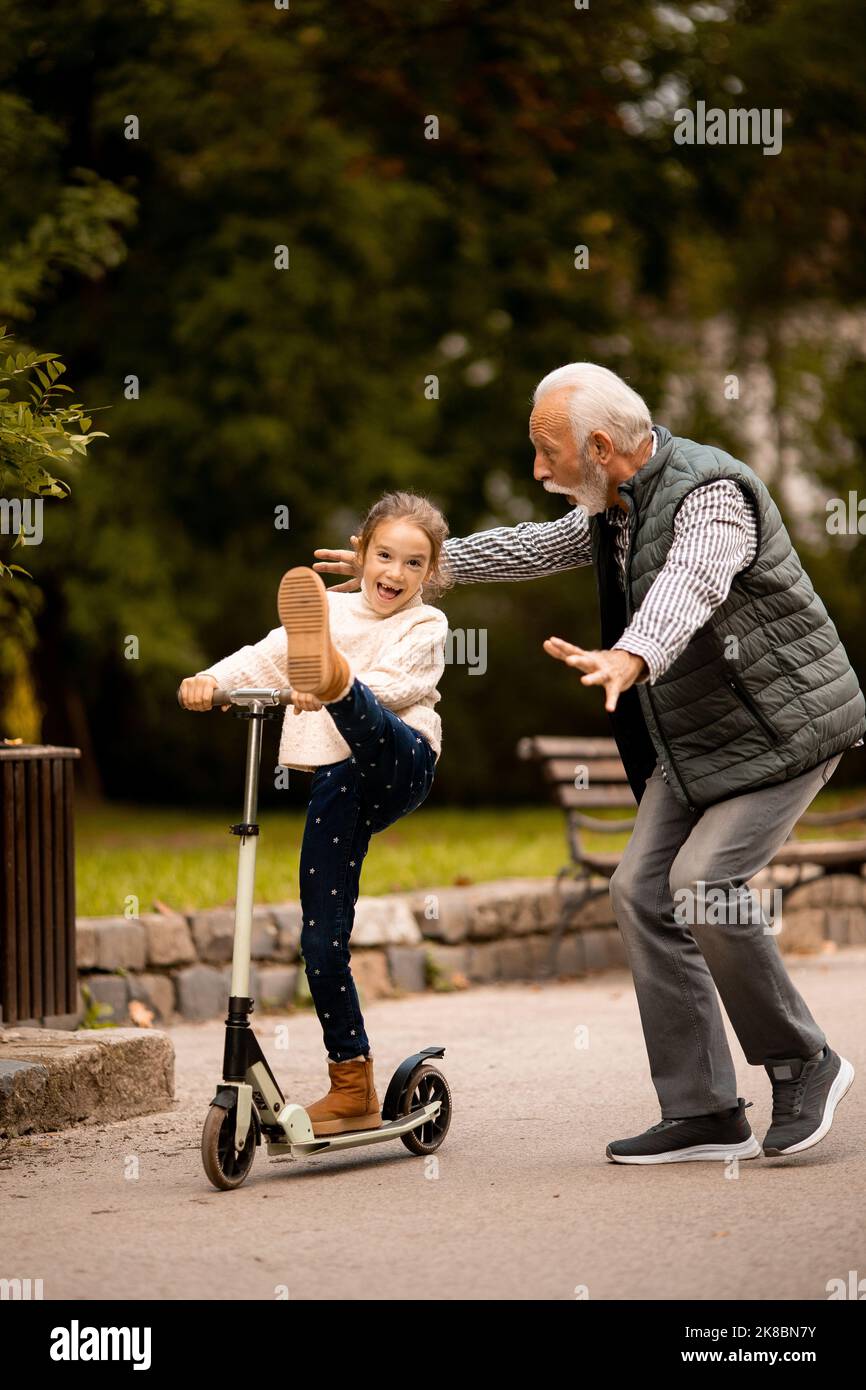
249 1108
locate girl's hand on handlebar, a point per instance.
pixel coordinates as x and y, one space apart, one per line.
304 700
196 692
341 562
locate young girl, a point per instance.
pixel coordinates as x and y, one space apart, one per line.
363 668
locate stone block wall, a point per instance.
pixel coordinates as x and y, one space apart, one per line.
179 966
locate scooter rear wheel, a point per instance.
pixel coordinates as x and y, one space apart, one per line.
225 1168
425 1085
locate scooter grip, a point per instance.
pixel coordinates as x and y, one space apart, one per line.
218 697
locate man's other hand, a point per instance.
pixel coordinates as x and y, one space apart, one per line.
341 562
615 670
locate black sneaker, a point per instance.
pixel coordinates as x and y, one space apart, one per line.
806 1092
722 1135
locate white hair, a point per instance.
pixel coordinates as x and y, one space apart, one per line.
600 400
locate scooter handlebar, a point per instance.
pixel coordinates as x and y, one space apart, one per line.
246 695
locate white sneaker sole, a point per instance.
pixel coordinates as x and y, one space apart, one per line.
700 1153
841 1086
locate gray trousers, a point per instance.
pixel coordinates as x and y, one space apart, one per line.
679 954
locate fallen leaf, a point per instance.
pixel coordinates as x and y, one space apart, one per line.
140 1014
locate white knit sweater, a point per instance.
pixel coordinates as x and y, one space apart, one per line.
400 656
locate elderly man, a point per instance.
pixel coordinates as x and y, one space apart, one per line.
731 699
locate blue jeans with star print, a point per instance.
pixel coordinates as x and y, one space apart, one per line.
388 774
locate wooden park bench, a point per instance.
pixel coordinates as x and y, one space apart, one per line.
586 775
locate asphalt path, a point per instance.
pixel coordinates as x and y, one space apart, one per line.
520 1204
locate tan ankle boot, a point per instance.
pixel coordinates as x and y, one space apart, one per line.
315 665
351 1103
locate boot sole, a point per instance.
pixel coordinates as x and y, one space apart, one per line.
302 604
841 1086
371 1121
748 1148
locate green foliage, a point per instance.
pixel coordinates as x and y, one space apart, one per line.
96 1015
303 998
80 233
36 426
435 977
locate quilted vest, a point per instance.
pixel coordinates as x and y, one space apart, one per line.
764 691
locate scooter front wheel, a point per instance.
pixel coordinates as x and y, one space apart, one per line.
225 1168
425 1085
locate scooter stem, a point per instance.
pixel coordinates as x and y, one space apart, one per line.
240 987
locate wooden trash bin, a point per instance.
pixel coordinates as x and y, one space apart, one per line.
38 976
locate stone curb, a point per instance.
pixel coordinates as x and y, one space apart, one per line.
50 1079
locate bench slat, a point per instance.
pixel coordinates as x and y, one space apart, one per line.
851 813
542 746
599 770
570 798
828 852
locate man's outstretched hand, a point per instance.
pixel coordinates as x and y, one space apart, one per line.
616 671
341 562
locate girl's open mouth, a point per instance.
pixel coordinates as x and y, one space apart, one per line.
386 593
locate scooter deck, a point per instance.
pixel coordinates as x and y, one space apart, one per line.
349 1139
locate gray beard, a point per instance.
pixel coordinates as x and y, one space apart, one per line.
593 492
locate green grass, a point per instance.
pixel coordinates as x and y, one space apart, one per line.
188 859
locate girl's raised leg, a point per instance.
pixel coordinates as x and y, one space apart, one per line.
395 763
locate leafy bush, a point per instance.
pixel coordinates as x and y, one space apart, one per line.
37 428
